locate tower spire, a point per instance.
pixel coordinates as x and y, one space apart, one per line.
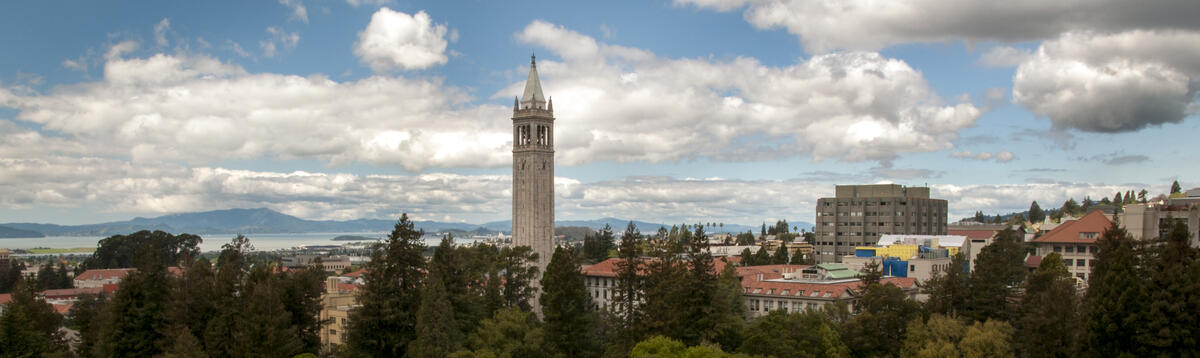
533 98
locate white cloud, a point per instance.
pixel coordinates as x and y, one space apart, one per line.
1003 156
299 12
357 3
1112 82
1004 56
626 104
279 39
396 40
160 32
869 25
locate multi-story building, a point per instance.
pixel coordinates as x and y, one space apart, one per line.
338 300
1076 241
1148 221
858 214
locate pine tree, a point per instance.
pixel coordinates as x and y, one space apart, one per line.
264 327
519 267
301 292
29 326
192 300
86 319
999 268
1174 294
797 258
511 332
782 334
762 257
948 291
1114 308
386 322
1175 188
1141 195
184 345
438 333
458 276
747 257
627 295
228 284
566 307
878 330
137 313
781 255
1048 317
1035 213
729 309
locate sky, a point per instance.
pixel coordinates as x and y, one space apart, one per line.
733 111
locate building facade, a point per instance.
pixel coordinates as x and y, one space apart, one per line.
1076 241
858 214
1148 221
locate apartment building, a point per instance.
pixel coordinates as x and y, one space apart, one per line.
1076 241
1149 220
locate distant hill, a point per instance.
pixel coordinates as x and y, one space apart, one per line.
11 233
267 221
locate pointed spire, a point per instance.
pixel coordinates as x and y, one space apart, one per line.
533 97
550 104
515 103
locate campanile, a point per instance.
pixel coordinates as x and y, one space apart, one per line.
533 170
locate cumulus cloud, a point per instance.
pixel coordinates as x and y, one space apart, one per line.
627 104
1112 83
823 26
396 40
1003 156
198 109
1004 56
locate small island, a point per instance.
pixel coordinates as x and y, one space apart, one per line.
354 238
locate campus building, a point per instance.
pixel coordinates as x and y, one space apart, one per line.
858 215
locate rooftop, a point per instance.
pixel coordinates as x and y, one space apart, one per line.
1078 231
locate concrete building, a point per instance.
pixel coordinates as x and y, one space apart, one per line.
101 277
533 171
338 300
1148 221
328 263
915 256
1076 241
858 214
978 236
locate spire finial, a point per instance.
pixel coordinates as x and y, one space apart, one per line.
532 58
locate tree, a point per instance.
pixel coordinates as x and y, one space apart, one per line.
596 246
1141 195
999 269
519 267
782 334
386 322
1070 207
510 333
979 217
136 317
797 258
228 310
566 307
1047 317
459 276
193 300
745 238
120 251
663 347
85 318
1114 307
987 339
762 257
747 257
781 255
1175 188
184 345
948 291
627 295
264 326
878 330
438 334
1035 213
29 326
729 309
1173 290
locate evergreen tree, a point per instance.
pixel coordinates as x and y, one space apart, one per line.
1174 294
301 292
228 310
386 322
747 257
566 307
729 310
762 257
1114 309
1175 188
797 258
519 265
1141 195
184 345
438 333
627 295
938 336
1119 198
264 327
137 313
979 217
1000 267
85 318
458 277
664 286
511 333
988 339
782 334
120 251
878 330
1047 318
781 255
29 326
948 291
1070 207
193 302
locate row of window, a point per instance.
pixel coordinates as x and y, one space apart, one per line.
1083 249
756 305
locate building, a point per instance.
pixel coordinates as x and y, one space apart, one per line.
99 278
1076 241
336 303
533 170
1148 221
796 247
978 236
858 214
329 264
915 256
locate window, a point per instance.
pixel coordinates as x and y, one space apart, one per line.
1081 276
333 332
1057 248
1082 249
1094 250
1070 249
1081 262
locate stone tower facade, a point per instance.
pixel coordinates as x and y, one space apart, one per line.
533 170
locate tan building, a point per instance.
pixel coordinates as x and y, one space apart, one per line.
533 171
1076 241
100 277
338 300
1148 221
858 214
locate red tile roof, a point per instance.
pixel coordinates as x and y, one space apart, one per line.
348 287
71 292
1068 232
62 308
358 273
5 298
820 290
1033 261
103 274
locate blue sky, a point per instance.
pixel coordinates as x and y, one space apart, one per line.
690 110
